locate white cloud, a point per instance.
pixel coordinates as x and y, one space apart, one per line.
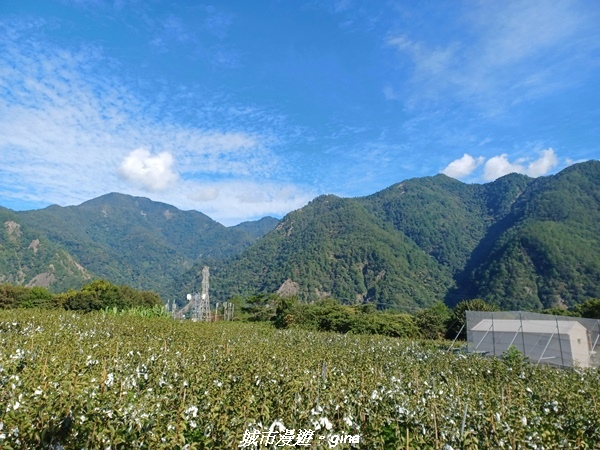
463 167
428 62
154 173
544 164
514 30
390 93
204 194
499 166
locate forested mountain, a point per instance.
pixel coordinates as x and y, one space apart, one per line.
550 255
518 242
334 246
128 240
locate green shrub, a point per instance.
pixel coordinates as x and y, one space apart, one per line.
94 296
330 315
433 322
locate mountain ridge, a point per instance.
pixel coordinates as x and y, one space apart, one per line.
518 242
467 230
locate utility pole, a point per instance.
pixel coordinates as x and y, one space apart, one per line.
227 311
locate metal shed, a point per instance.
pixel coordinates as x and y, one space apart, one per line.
547 339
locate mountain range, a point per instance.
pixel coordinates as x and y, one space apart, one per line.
518 242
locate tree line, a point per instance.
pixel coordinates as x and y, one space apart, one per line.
97 295
435 322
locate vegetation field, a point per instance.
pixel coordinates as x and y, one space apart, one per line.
96 380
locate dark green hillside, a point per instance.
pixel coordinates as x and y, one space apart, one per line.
441 215
122 222
517 242
550 257
500 195
335 247
444 217
497 199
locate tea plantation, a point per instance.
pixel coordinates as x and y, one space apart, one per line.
71 380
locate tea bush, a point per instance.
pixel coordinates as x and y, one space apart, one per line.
98 380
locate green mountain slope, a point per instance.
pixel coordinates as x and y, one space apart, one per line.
444 217
133 240
334 246
28 258
258 228
550 256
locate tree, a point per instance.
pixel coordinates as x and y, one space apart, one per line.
260 307
433 321
284 311
39 297
106 293
589 309
98 294
459 316
80 301
561 312
13 296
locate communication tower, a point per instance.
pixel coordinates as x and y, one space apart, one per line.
201 302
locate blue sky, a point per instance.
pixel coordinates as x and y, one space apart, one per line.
241 109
